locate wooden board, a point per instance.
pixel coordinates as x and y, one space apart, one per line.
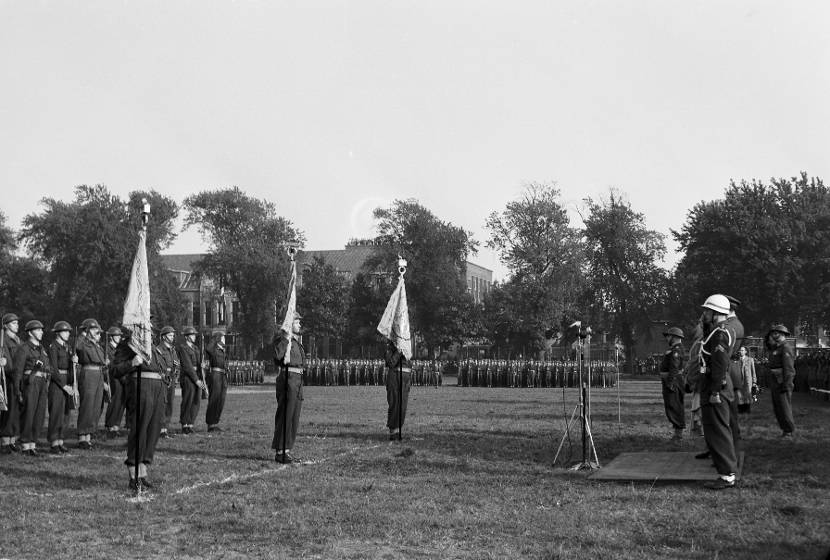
662 466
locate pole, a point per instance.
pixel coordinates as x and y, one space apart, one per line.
4 402
145 218
400 399
285 406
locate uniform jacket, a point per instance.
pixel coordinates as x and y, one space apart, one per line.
31 357
168 362
89 352
10 344
297 357
216 355
716 379
393 357
60 357
671 368
191 361
782 366
123 360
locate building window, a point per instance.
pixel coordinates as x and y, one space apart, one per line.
194 314
208 315
220 312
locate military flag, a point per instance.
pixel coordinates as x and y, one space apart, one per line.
394 324
291 306
137 305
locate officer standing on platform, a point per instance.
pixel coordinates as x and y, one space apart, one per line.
169 362
217 381
671 377
10 419
717 393
116 406
397 388
61 392
191 380
91 381
289 390
782 378
32 360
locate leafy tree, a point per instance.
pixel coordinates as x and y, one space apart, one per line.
367 296
323 299
88 246
626 283
246 253
24 286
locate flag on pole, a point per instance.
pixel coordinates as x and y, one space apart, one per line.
394 324
290 308
137 305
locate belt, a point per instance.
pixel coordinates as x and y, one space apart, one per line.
147 375
36 374
217 370
63 371
292 369
92 367
406 370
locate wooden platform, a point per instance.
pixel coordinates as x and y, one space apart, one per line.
663 466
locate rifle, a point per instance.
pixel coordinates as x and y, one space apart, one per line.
74 402
106 372
4 401
205 392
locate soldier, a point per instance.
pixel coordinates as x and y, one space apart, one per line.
717 392
116 406
61 392
147 408
782 378
397 388
192 380
735 329
169 363
290 365
91 381
217 381
31 359
10 419
671 377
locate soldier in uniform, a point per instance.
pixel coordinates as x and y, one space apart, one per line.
671 377
32 360
91 381
716 392
397 388
191 380
10 419
61 391
782 378
116 406
735 329
147 408
169 363
217 381
290 365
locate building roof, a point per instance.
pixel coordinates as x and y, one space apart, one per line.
349 260
181 263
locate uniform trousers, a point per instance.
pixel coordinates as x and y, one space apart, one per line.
57 407
34 411
217 385
145 429
10 419
289 404
169 395
91 389
673 401
782 404
718 434
116 406
191 399
395 398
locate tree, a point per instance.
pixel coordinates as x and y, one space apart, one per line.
544 254
323 300
625 282
367 296
24 286
436 253
88 246
247 240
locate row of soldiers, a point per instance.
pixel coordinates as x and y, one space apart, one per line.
330 372
80 375
534 373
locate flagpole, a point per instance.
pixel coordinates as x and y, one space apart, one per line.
292 251
145 218
401 272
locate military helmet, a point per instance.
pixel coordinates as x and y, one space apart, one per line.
778 327
217 334
9 317
717 303
674 331
733 302
90 324
167 330
61 326
34 324
189 330
114 331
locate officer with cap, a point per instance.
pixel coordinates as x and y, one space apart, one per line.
716 392
116 406
782 378
32 360
191 380
10 419
91 380
217 381
671 377
169 362
290 364
61 392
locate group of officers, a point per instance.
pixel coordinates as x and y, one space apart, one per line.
721 378
534 373
100 378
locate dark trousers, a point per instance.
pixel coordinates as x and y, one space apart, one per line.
10 419
191 399
675 408
56 398
117 406
146 427
718 434
169 395
217 385
91 388
397 401
782 405
289 404
34 412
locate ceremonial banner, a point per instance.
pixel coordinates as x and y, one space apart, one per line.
290 308
137 305
394 324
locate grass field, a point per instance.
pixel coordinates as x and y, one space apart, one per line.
473 478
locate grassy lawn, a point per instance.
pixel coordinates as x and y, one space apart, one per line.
473 478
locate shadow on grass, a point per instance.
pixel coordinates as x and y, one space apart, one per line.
50 478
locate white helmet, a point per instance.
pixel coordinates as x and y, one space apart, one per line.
718 303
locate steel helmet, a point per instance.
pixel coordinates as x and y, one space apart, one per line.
718 303
167 330
34 324
61 326
674 331
114 331
9 317
188 330
778 327
90 324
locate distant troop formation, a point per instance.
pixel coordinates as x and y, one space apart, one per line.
330 372
534 373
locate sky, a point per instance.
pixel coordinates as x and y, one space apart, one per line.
332 108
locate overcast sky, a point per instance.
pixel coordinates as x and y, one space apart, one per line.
331 108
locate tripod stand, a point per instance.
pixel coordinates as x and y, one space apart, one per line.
584 408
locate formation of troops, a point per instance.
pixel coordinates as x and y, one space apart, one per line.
534 373
330 372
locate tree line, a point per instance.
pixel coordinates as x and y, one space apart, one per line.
764 243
